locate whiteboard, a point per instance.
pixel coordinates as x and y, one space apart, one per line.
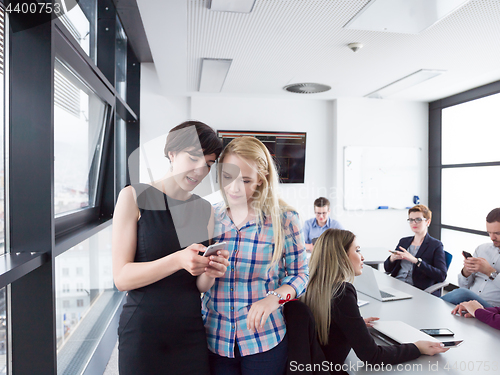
381 177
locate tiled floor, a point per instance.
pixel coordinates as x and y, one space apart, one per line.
112 367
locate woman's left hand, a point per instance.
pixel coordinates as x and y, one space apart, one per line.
260 311
368 321
218 264
404 254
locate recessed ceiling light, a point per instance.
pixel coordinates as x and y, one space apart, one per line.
237 6
402 16
213 74
404 83
306 88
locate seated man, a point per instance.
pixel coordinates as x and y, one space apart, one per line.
313 228
478 279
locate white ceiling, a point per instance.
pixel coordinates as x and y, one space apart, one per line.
291 41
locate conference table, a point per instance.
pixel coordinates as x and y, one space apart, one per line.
478 354
375 256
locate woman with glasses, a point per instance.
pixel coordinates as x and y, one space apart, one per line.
418 260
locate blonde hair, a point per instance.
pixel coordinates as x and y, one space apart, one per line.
329 268
266 200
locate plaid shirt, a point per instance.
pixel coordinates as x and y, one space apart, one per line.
247 280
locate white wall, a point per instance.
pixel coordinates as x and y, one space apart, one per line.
294 115
330 126
385 123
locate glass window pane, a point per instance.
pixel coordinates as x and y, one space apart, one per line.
85 300
121 153
471 131
2 132
468 194
80 22
121 60
455 242
79 119
3 332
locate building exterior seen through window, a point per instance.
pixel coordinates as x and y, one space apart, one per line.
79 118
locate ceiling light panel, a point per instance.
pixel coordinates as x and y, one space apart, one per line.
235 6
402 16
404 83
213 74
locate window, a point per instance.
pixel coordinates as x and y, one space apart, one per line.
80 22
2 132
65 271
79 119
121 60
464 168
93 300
65 288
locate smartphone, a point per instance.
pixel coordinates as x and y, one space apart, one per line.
452 344
466 254
212 249
437 331
394 251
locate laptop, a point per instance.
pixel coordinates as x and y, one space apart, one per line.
401 332
366 283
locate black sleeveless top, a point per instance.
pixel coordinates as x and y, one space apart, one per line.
161 329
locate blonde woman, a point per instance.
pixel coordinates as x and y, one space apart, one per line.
267 263
330 295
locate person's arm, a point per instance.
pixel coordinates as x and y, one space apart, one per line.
306 230
392 261
345 313
218 264
128 274
436 270
466 278
489 315
293 278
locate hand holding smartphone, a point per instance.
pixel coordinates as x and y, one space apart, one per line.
466 254
452 344
212 249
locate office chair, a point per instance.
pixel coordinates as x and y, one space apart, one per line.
443 284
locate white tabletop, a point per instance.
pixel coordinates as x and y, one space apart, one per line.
375 255
478 354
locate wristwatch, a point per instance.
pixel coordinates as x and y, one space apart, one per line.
419 262
493 275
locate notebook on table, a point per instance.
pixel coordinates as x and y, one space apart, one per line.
366 283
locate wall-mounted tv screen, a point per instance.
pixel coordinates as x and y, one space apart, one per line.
288 150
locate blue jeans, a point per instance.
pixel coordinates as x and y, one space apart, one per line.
462 295
272 362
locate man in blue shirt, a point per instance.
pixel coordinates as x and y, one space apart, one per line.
313 228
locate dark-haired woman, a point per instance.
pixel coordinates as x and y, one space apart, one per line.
335 261
158 232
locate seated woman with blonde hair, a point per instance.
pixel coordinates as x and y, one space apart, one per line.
335 261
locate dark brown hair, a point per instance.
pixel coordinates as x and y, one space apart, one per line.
204 136
321 202
493 216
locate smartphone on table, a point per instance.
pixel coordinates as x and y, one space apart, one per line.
212 249
437 332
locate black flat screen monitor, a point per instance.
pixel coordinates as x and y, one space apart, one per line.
288 150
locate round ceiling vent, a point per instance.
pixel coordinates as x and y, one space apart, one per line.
307 88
